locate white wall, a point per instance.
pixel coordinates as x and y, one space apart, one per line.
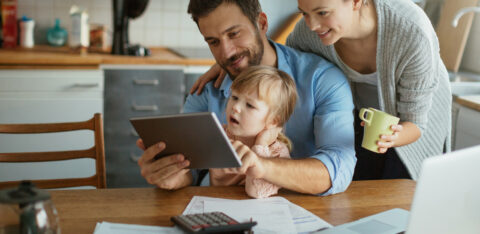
470 61
471 56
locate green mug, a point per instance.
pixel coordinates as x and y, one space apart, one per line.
376 123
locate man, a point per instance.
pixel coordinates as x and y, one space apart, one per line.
321 127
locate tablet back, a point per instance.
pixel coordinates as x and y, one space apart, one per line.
198 136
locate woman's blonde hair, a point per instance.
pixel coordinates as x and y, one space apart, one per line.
276 88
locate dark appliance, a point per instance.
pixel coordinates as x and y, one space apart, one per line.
123 10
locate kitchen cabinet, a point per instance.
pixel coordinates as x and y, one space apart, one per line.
135 92
466 129
42 96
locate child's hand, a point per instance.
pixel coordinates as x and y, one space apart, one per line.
225 177
252 165
267 136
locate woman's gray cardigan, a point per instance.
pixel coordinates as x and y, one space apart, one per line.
413 81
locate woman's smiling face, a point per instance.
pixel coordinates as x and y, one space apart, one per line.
331 20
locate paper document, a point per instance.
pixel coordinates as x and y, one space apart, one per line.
270 217
118 228
303 220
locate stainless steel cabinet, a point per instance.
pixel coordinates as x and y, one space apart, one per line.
135 93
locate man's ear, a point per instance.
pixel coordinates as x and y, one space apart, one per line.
262 22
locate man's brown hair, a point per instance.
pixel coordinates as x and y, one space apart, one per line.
200 8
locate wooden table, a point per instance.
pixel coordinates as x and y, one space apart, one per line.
80 210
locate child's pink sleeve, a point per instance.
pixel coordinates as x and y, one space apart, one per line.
260 188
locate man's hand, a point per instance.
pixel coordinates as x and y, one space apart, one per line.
214 73
167 172
252 164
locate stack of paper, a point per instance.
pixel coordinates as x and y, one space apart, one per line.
273 215
118 228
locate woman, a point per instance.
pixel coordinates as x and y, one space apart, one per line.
389 51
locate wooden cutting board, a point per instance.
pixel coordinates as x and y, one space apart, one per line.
452 40
280 36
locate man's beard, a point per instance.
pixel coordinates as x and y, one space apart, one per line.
254 56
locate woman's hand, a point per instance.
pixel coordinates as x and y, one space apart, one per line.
252 164
215 72
388 141
268 136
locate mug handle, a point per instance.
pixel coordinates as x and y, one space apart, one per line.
362 115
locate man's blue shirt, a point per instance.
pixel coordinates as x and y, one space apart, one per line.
321 125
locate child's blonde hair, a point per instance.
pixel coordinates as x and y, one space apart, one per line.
276 88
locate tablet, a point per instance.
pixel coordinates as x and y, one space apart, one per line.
198 136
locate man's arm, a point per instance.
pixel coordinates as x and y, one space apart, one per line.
303 175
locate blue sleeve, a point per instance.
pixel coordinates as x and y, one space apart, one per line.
333 128
196 103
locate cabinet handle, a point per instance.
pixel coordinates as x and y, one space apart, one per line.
153 82
86 85
134 157
144 108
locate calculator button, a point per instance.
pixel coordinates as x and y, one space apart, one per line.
197 226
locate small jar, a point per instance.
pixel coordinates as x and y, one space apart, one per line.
57 36
26 32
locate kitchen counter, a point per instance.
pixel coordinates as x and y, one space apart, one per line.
42 56
471 101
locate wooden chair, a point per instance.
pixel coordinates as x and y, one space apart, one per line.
96 152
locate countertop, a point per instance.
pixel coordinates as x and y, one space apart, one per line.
471 101
42 56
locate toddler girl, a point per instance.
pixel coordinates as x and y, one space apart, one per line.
262 98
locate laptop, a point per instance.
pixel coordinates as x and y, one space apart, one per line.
446 200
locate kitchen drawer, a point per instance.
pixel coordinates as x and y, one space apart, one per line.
122 171
46 108
51 80
135 93
120 133
47 170
145 82
141 105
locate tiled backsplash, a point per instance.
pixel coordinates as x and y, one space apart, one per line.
164 23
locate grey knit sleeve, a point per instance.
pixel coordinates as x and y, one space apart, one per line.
418 81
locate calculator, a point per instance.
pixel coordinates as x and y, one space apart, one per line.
211 222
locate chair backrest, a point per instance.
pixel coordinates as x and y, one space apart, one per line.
96 152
